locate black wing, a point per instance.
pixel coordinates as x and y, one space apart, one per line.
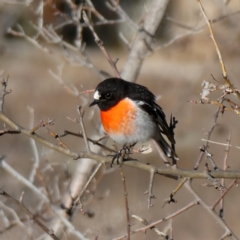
154 110
146 101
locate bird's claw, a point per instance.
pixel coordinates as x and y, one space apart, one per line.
123 154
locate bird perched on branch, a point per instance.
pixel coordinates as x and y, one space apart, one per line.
129 114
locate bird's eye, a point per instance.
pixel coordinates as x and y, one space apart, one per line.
108 95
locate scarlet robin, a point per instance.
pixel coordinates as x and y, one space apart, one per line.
129 114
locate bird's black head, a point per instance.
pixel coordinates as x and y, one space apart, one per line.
109 92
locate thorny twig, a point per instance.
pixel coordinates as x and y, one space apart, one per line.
227 88
153 224
220 221
146 223
173 193
43 124
214 124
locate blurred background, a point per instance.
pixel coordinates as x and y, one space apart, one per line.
50 78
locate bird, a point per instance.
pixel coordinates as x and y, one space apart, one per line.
129 114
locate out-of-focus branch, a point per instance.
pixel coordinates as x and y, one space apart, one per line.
32 217
34 148
17 176
115 6
101 45
15 220
143 41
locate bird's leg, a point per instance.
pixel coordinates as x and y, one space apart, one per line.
128 147
119 156
123 154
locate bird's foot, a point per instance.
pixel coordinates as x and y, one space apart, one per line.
123 154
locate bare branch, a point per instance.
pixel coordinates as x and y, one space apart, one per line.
32 217
126 202
214 124
150 192
144 39
153 224
81 113
146 223
224 72
6 167
101 45
220 221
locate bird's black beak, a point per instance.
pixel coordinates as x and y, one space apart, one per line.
94 103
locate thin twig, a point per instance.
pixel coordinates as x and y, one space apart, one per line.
93 174
153 224
42 124
3 93
32 217
173 193
223 194
114 6
18 177
146 223
101 45
95 142
225 167
42 182
15 220
214 124
222 144
224 72
36 159
81 114
220 221
39 12
210 159
56 136
150 188
225 235
126 202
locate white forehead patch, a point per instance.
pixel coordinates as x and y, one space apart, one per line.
96 95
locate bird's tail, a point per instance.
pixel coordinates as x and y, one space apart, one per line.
167 149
